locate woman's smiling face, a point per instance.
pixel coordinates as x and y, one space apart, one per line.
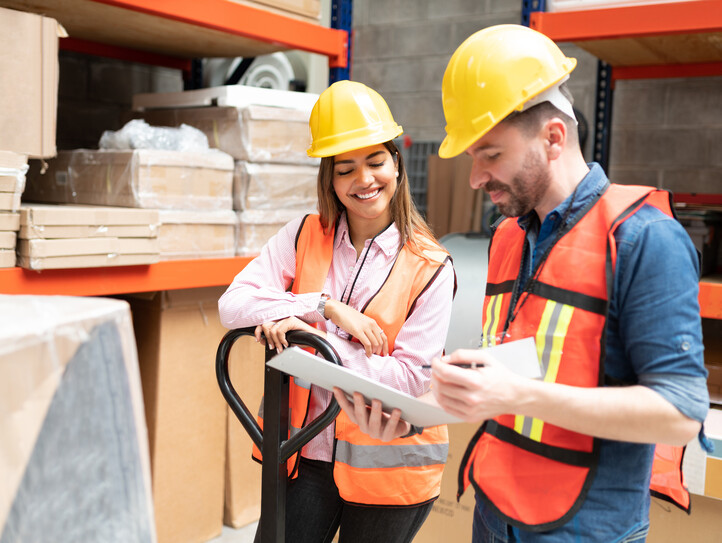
365 182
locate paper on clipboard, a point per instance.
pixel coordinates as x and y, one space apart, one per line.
299 363
519 356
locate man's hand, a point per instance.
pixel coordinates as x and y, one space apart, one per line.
274 333
371 419
472 394
360 326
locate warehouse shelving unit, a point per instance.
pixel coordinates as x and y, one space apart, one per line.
675 39
171 33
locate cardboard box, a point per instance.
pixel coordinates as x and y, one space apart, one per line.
8 240
29 84
13 167
306 10
8 259
254 133
273 186
256 227
243 474
669 524
702 471
452 205
450 520
177 333
249 123
10 220
146 178
38 248
74 443
44 221
197 234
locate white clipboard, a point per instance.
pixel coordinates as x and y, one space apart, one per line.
299 363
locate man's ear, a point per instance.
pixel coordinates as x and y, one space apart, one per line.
555 137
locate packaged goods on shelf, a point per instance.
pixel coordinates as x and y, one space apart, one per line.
75 236
249 123
177 333
305 10
273 186
197 234
29 82
75 455
9 225
574 5
146 178
703 227
13 167
256 227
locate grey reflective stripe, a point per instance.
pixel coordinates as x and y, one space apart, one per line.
292 430
549 337
545 357
390 456
302 383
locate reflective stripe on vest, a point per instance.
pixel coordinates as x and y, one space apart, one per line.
515 461
405 471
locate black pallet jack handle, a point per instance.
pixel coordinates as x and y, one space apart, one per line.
273 440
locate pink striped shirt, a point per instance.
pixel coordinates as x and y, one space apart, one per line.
258 294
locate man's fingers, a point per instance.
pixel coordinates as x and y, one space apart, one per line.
391 424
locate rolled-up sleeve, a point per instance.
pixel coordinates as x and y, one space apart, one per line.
657 310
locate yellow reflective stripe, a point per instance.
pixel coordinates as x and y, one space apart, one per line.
493 312
519 423
560 333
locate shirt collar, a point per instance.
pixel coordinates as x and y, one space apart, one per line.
387 240
589 187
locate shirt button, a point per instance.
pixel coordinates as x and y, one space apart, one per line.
685 345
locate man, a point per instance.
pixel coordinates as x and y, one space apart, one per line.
602 277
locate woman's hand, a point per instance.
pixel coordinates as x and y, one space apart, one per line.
371 419
363 328
273 333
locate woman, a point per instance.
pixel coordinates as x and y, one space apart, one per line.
367 274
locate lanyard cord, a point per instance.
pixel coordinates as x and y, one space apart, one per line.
353 285
564 227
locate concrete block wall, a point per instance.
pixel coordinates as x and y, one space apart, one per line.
664 132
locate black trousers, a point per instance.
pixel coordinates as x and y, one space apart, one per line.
314 512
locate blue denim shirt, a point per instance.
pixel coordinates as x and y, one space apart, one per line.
654 339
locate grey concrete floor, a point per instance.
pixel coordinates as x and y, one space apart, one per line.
240 535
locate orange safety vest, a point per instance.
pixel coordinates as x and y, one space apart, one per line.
531 473
403 472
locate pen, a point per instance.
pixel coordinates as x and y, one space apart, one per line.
458 365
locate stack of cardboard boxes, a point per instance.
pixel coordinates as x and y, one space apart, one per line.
266 131
12 182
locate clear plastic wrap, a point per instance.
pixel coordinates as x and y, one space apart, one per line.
138 134
144 178
272 186
75 462
197 234
253 133
75 236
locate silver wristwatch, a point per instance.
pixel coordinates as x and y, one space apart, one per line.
321 309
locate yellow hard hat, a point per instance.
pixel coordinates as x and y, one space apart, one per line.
494 72
349 115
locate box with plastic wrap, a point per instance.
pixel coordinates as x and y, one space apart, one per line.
84 236
272 186
249 123
74 456
257 226
197 234
148 178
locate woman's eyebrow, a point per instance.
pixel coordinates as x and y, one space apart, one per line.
349 161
